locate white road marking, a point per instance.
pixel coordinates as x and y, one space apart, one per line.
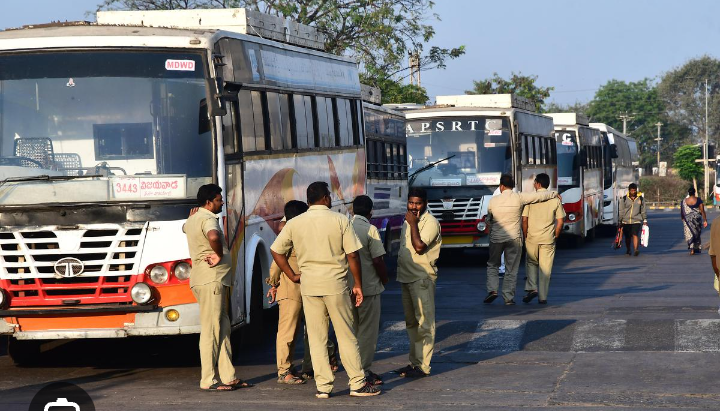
599 335
697 335
497 335
393 337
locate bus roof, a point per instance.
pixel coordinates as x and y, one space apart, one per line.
486 101
568 119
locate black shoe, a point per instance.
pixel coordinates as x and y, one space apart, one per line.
490 298
637 252
367 390
501 275
628 252
542 301
530 296
509 302
403 370
415 373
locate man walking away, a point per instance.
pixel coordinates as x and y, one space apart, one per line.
503 218
374 277
325 245
632 217
420 243
542 224
210 284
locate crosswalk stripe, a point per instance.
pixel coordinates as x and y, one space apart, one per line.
497 335
599 335
697 335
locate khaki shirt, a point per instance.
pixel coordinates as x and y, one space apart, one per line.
715 237
542 220
321 239
372 248
286 289
504 212
411 265
196 229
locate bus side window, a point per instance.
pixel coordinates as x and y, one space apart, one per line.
380 156
403 161
344 122
331 122
247 123
358 129
531 149
274 121
322 122
259 119
287 135
370 158
524 145
311 121
540 152
229 124
301 128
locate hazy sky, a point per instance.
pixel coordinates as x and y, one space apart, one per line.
573 45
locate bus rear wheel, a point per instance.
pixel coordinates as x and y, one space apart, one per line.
253 332
24 352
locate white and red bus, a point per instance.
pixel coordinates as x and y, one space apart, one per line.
387 173
580 173
106 132
459 148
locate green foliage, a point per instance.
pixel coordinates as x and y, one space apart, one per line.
379 33
685 163
639 100
663 189
517 84
683 92
394 92
576 107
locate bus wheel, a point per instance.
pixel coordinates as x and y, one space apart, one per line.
24 352
253 333
591 234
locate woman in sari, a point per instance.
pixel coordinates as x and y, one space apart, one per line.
692 212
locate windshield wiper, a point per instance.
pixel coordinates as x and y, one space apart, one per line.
43 177
414 175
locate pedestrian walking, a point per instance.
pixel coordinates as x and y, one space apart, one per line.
632 216
326 246
692 213
210 283
503 218
374 278
420 243
542 224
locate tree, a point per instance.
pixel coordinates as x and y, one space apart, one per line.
683 92
396 92
576 107
518 84
685 163
640 101
379 33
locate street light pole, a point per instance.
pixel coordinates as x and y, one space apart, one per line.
658 139
705 151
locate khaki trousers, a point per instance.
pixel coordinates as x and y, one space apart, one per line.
319 311
367 328
289 324
539 256
215 352
513 254
418 299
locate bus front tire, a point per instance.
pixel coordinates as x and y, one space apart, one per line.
253 332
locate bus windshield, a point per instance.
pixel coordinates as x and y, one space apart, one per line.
102 126
474 151
568 160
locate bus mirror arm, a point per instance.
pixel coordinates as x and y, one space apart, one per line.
216 103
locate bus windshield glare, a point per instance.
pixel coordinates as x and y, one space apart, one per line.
473 150
568 160
102 126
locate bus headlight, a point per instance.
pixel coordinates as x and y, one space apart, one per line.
159 274
182 271
4 300
481 226
571 217
141 293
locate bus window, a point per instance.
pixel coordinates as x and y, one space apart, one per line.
331 123
285 122
275 124
310 121
531 149
229 122
301 129
322 122
344 122
540 151
568 159
358 121
259 118
247 123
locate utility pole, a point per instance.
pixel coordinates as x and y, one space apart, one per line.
658 139
414 63
705 151
625 118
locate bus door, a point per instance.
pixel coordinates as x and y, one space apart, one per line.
234 224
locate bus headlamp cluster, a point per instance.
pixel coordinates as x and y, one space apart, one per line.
182 271
159 274
572 217
481 226
141 293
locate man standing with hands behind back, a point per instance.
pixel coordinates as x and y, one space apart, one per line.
420 243
542 224
326 245
210 283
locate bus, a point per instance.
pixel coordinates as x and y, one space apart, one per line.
459 148
387 168
620 151
107 130
580 173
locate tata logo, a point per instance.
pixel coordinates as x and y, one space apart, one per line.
68 267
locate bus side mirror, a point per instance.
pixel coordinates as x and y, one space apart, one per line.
613 151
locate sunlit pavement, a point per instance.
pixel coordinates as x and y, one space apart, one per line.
636 332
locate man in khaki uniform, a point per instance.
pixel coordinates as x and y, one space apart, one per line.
326 245
210 283
503 218
542 225
290 318
715 250
420 243
374 277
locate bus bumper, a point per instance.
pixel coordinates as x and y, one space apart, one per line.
574 228
142 324
462 241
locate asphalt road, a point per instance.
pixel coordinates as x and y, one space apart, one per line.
633 332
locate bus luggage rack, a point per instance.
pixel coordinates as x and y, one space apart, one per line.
69 291
113 251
